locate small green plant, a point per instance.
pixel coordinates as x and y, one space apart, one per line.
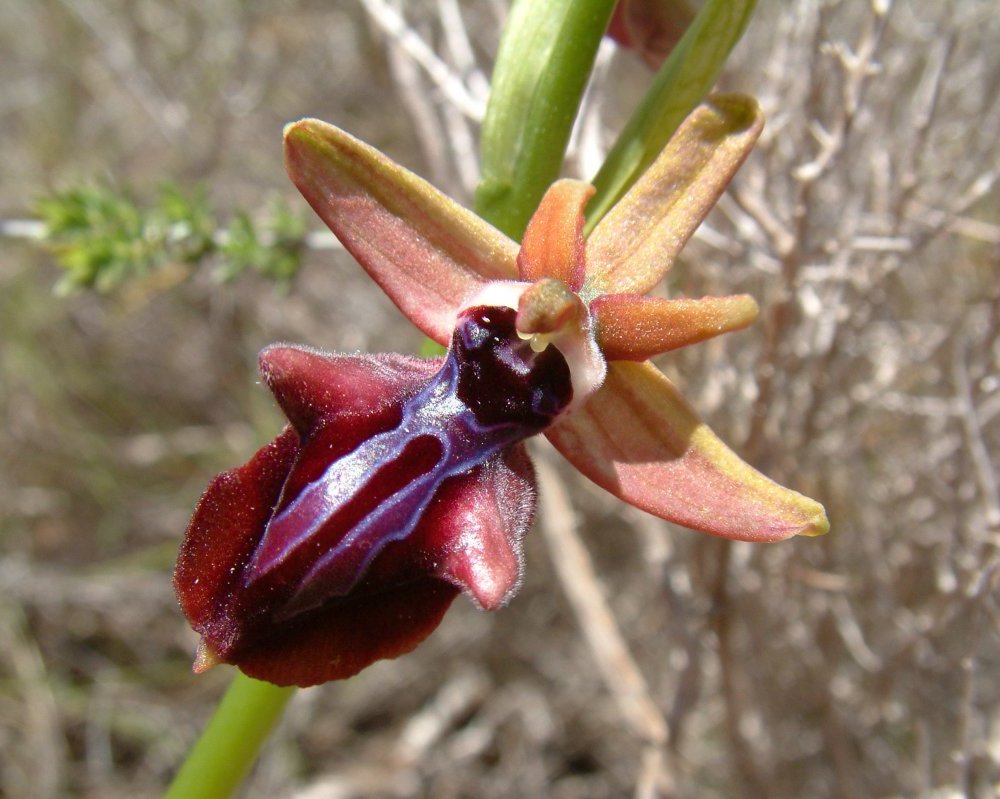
103 237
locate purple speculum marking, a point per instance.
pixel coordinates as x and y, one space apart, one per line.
492 391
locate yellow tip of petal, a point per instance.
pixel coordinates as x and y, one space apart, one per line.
204 658
820 524
291 126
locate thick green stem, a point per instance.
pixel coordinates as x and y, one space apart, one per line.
230 742
546 55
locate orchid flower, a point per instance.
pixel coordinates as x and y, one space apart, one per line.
401 482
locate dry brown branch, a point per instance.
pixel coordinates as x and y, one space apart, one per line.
445 79
611 654
38 743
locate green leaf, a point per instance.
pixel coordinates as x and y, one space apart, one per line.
546 55
681 83
273 249
99 236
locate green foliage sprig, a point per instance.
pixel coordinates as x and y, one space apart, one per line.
103 237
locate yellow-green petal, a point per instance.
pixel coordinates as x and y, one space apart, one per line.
640 237
640 440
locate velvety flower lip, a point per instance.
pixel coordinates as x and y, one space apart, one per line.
400 482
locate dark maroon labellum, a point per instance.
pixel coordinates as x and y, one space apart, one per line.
501 379
492 392
341 524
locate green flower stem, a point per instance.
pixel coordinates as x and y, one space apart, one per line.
229 745
546 56
682 82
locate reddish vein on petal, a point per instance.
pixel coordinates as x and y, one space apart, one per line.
640 440
428 253
553 244
636 243
634 327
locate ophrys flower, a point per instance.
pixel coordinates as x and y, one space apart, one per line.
402 481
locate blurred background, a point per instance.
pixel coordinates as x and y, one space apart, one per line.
639 659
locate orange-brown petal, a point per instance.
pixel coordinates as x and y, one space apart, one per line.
634 327
553 244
